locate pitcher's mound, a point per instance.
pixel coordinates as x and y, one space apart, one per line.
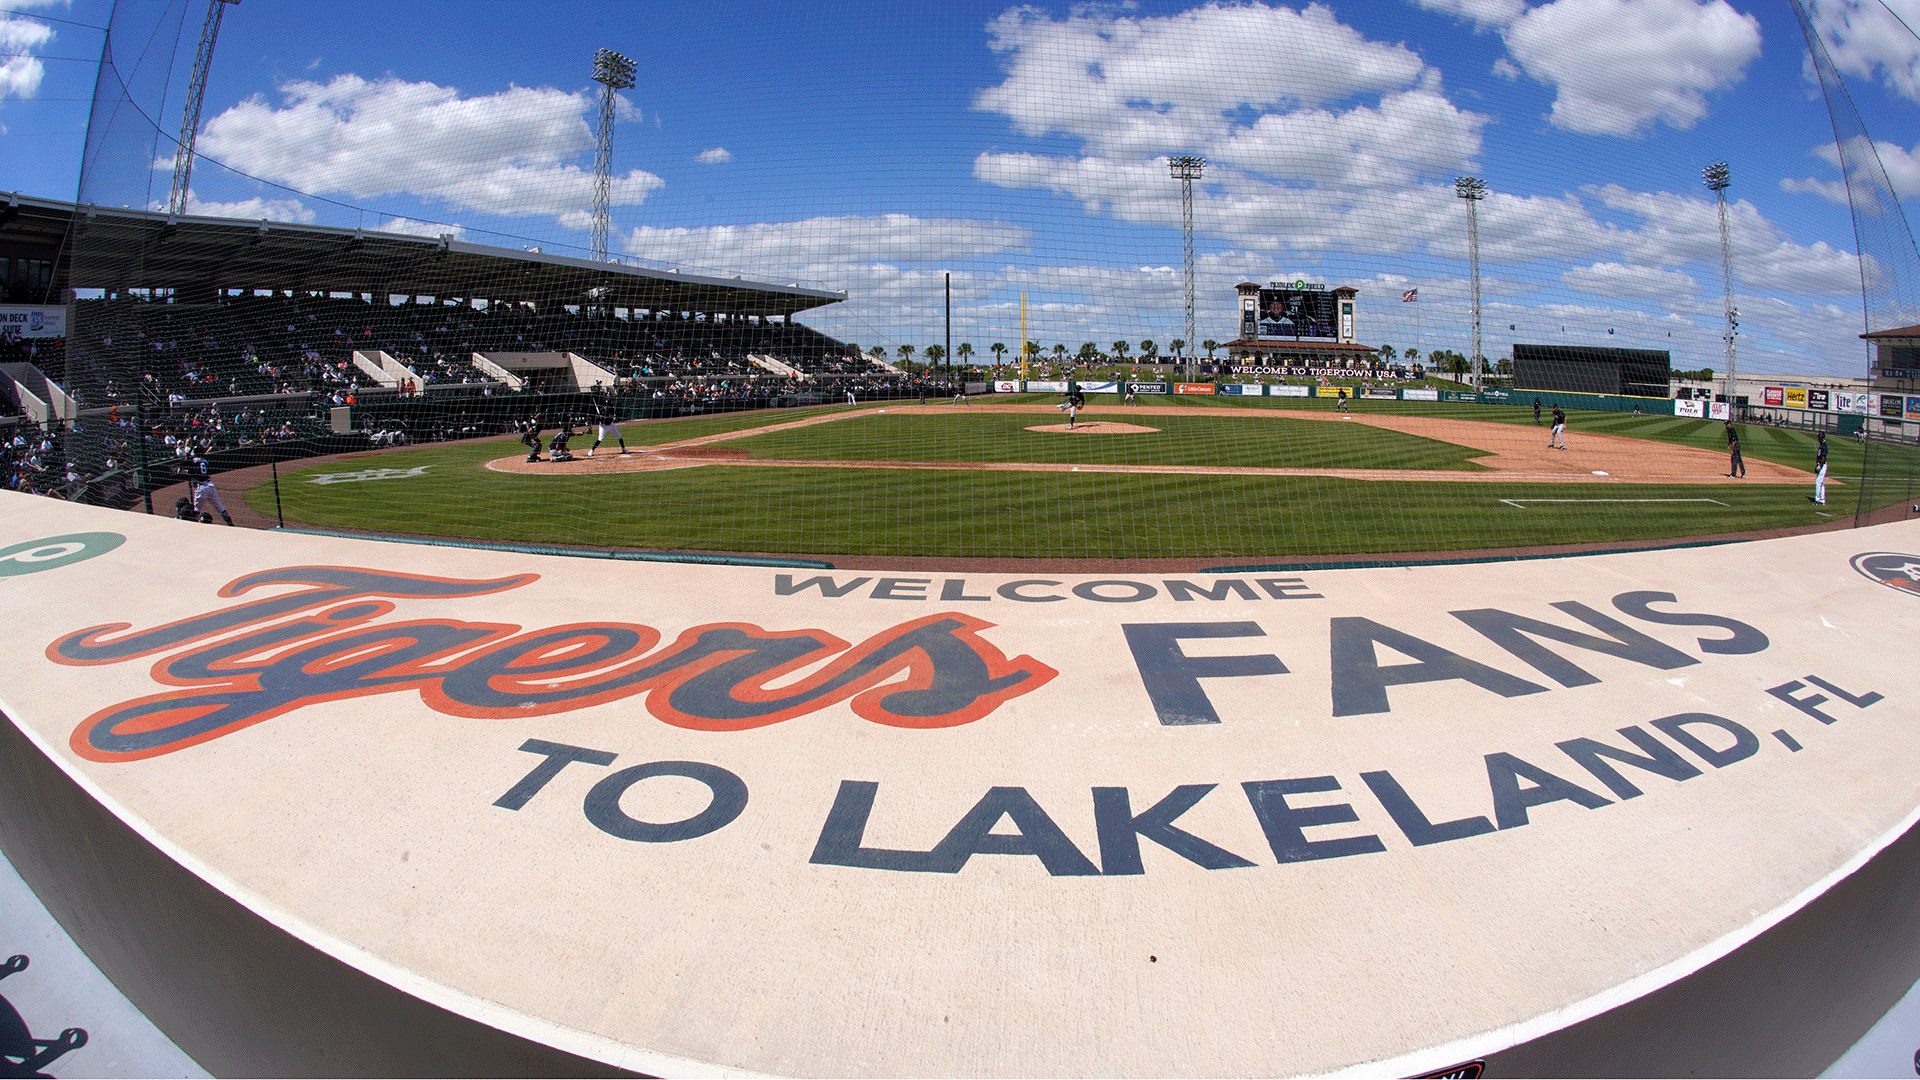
1095 427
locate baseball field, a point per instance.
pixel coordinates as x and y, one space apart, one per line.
1005 477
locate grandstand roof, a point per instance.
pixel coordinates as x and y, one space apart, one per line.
120 249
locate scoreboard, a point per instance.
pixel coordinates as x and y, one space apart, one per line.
1293 313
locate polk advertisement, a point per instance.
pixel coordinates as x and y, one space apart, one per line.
913 822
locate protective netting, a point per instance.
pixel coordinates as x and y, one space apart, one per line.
1889 262
816 351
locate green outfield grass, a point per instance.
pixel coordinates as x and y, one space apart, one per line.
848 511
1266 441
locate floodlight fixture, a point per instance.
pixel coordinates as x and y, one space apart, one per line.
1473 189
613 72
1186 169
1717 179
613 69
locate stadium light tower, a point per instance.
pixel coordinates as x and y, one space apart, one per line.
1473 189
1716 178
613 72
196 90
1187 169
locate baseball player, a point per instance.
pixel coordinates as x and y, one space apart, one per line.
1557 438
1820 471
1536 412
1343 399
1130 399
1075 401
203 488
1735 466
530 436
605 425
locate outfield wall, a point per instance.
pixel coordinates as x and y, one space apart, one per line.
1638 812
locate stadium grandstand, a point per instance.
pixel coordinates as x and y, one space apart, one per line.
207 335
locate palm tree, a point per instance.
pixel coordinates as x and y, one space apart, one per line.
1149 350
1387 353
1178 344
905 351
998 351
1209 345
935 354
1120 350
1059 351
1089 351
1411 355
965 352
1033 348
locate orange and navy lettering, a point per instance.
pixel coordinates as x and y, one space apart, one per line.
241 665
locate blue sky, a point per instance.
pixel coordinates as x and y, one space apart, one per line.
874 148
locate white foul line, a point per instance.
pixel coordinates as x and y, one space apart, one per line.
1517 503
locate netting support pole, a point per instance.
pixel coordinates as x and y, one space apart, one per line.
140 436
614 73
1187 169
1716 179
278 512
1473 189
190 122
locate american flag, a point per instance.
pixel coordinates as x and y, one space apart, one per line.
1411 296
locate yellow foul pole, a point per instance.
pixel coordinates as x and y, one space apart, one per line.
1023 338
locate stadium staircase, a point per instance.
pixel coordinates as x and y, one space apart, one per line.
778 367
35 394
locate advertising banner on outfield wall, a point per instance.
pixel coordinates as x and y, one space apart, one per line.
1892 406
1381 392
29 321
976 388
1852 403
1290 390
1050 387
1244 389
1193 388
1147 387
1773 396
1689 407
1796 397
1818 399
1420 393
1099 387
1006 386
1913 404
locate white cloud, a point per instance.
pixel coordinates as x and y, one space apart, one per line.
507 153
1485 14
1124 87
1865 38
254 209
410 227
719 155
21 72
1902 169
818 247
1619 67
1619 279
1677 229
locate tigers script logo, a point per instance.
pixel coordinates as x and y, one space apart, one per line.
240 665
